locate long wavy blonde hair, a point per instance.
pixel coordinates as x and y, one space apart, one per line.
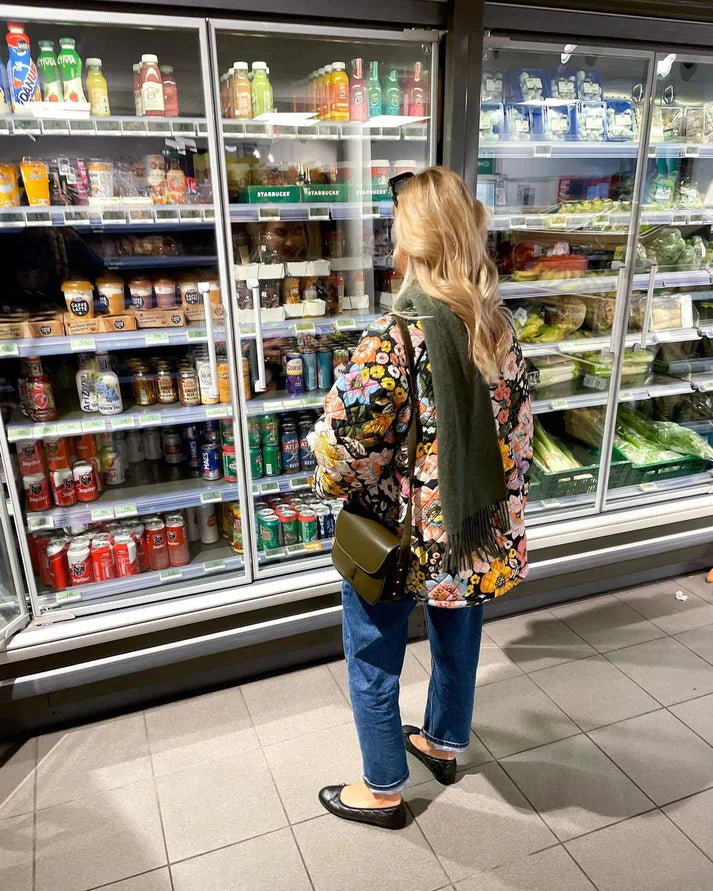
441 233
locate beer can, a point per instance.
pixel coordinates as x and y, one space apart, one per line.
210 462
63 489
119 441
237 539
289 526
85 446
257 466
191 446
37 492
325 521
153 447
210 433
269 430
230 465
290 447
85 482
125 555
295 371
166 389
227 433
340 360
308 525
188 389
177 540
38 551
103 558
115 472
325 369
271 460
268 526
254 433
172 446
307 459
79 562
58 565
58 453
135 446
224 381
156 545
193 525
29 455
207 524
136 530
309 369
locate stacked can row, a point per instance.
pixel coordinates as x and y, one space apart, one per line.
286 520
278 444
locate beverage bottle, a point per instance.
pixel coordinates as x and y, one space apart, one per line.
261 90
242 93
151 86
416 95
229 100
358 101
170 91
108 393
326 92
392 93
271 97
71 67
97 88
319 93
23 79
339 92
86 383
49 72
5 101
373 91
138 102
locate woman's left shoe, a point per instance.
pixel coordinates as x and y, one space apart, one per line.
385 817
443 769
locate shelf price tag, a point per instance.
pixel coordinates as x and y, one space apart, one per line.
82 344
313 546
705 386
196 334
648 487
626 396
300 482
558 404
150 420
167 574
69 428
118 422
156 338
305 327
39 522
9 349
101 513
98 425
68 596
15 433
542 151
691 151
295 549
125 510
550 502
211 495
269 488
213 565
218 411
345 324
44 429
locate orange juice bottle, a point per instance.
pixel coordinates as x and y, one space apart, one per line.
242 93
339 92
324 92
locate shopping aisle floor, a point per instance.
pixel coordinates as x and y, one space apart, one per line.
591 765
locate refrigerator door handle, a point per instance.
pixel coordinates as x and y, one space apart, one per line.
260 383
646 323
204 288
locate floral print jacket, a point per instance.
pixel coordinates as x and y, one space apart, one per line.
360 446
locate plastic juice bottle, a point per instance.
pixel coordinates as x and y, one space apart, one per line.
373 91
358 100
49 72
71 67
392 93
326 90
229 99
138 102
261 90
271 97
339 92
151 86
23 79
242 93
170 91
97 88
416 96
318 93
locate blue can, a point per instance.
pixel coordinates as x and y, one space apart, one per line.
307 459
309 369
191 446
325 521
290 447
325 369
211 432
210 460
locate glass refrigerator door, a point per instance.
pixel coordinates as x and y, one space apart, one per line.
314 123
665 416
558 148
13 606
118 377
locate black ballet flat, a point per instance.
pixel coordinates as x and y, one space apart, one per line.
385 817
444 770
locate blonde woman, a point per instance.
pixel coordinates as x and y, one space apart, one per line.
470 484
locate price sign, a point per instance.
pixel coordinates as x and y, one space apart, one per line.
559 404
218 411
10 509
300 482
156 338
15 433
150 420
125 510
98 425
211 495
305 327
101 513
9 349
705 386
269 488
550 502
313 546
167 575
648 487
69 428
247 328
68 596
626 396
345 324
39 522
542 151
43 429
213 565
196 333
295 549
691 151
82 344
120 423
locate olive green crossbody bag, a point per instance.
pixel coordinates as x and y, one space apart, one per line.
373 559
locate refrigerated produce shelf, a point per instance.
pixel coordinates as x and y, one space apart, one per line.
63 123
304 549
561 397
76 423
596 225
127 217
168 262
590 344
586 150
325 325
129 501
697 483
595 284
657 387
118 340
341 210
572 502
286 482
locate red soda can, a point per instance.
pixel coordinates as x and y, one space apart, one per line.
37 492
80 564
102 557
98 475
43 565
125 555
39 397
85 446
63 489
156 545
177 539
57 451
85 481
58 564
137 532
29 454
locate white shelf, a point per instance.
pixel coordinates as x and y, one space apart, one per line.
407 131
78 422
281 401
566 502
655 389
598 223
341 210
697 483
295 327
66 124
585 150
125 215
304 549
596 284
286 482
573 400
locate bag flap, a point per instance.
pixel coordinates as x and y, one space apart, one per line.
367 543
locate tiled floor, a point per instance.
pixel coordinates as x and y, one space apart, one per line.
591 766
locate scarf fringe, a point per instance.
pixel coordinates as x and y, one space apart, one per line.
477 536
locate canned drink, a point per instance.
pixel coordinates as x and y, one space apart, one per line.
290 448
307 459
188 389
325 521
207 386
191 447
230 464
119 439
309 369
85 446
63 490
125 555
269 430
85 481
166 389
79 562
210 462
98 476
340 360
254 433
227 433
135 447
257 465
103 559
295 372
37 492
137 532
156 545
325 369
58 564
57 452
268 526
192 524
210 432
308 525
29 455
172 446
237 539
39 399
289 526
271 460
177 540
153 447
224 381
115 471
207 524
41 565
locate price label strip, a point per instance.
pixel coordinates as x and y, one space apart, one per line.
648 487
196 334
345 324
558 404
151 420
125 510
82 344
305 327
300 482
15 433
626 396
213 566
69 428
211 496
268 488
98 514
39 522
550 502
96 426
218 411
69 596
9 349
119 423
156 338
166 575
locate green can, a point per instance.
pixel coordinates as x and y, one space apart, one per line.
227 433
271 460
268 527
230 465
254 433
257 468
290 526
308 525
270 430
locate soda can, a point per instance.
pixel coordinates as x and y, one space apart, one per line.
153 447
237 529
207 524
257 466
289 526
188 388
210 433
193 525
191 446
254 433
269 430
79 562
309 369
177 540
325 520
135 446
63 489
227 433
37 492
125 555
172 446
103 558
268 526
39 398
85 481
85 446
137 532
119 442
115 472
290 447
156 545
57 452
325 369
340 360
39 550
230 466
308 525
210 462
307 459
29 455
271 460
294 379
58 565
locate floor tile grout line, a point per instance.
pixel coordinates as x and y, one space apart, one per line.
158 800
688 727
620 768
136 875
582 835
331 673
692 841
683 644
414 818
579 865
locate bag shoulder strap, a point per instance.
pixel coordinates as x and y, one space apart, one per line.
411 435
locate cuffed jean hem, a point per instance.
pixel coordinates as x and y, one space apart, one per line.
391 789
443 744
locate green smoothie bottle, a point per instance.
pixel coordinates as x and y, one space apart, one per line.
261 90
49 72
71 67
392 93
373 91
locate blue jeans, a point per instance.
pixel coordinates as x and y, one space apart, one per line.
375 640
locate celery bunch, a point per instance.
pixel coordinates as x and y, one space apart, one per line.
551 453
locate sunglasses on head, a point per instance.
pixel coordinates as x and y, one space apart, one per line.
396 184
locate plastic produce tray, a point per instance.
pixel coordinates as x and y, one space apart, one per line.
583 480
685 465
